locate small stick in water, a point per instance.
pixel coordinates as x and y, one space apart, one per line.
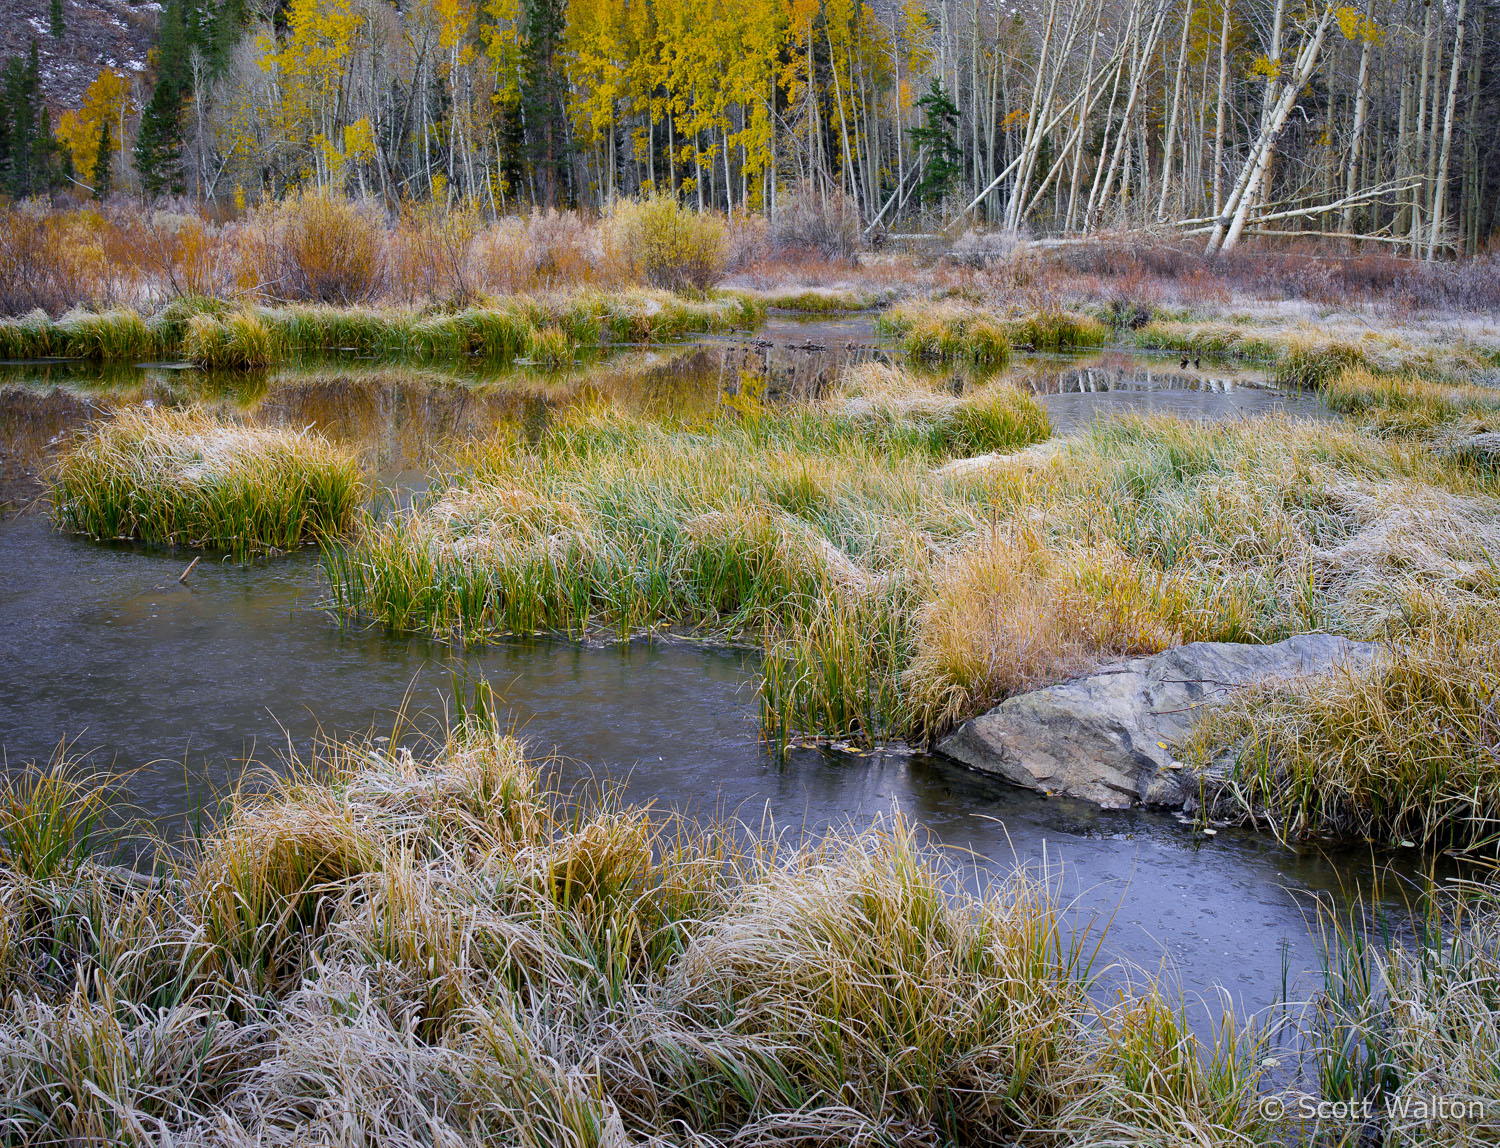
183 577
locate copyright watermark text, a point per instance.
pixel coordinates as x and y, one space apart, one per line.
1435 1108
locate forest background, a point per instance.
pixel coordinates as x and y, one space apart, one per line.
1214 119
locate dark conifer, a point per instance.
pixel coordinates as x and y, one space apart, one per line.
102 165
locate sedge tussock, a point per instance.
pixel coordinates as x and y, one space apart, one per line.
448 950
955 332
1405 752
1010 612
754 522
536 969
186 478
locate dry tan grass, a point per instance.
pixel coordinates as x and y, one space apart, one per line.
1011 612
392 949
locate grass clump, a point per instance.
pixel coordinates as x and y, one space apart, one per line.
1221 339
51 820
33 336
1145 533
750 522
946 333
949 332
211 334
109 336
1058 330
1406 752
1309 366
1011 612
399 949
819 301
238 341
1403 1021
186 478
1408 405
906 557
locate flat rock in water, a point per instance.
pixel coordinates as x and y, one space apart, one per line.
1100 737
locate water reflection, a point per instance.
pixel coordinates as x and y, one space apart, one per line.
408 418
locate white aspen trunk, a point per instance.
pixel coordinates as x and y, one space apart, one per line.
1471 206
1139 65
1218 172
1109 115
1420 198
1032 137
1243 198
1440 185
1166 151
838 96
1361 111
1273 95
1083 115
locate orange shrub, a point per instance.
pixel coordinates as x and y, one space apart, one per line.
313 247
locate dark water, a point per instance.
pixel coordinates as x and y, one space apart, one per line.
1079 389
101 646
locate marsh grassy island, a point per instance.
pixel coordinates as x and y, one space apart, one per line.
906 558
183 478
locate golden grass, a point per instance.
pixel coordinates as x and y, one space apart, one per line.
396 949
1404 753
1010 613
948 331
186 478
903 565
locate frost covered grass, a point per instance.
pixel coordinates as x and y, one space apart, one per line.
750 521
392 949
1406 753
954 332
906 557
546 328
185 478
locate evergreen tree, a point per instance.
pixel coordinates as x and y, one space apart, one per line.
102 165
55 18
939 135
10 73
158 144
28 153
187 25
542 97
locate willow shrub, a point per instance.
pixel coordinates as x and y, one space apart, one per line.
665 245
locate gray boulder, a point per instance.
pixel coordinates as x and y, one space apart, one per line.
1103 736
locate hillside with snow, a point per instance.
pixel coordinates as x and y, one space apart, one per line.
97 34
